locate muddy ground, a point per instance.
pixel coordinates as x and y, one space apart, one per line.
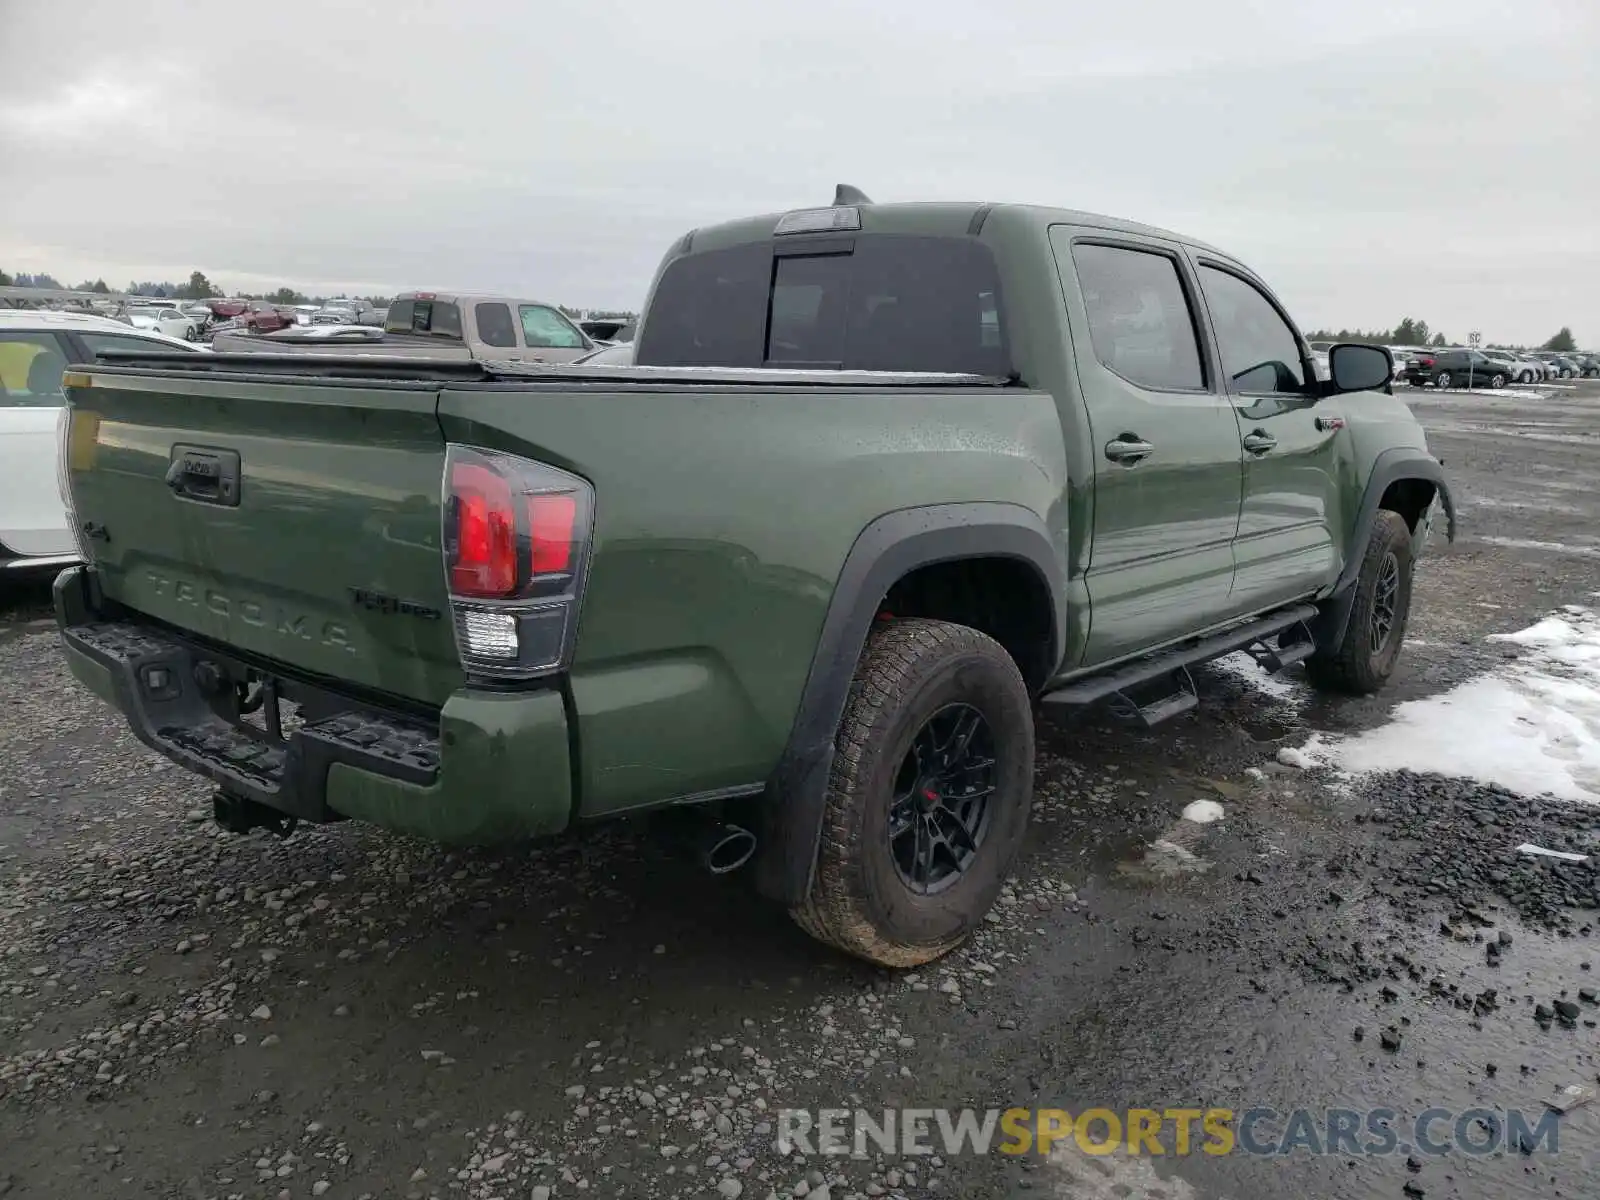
185 1013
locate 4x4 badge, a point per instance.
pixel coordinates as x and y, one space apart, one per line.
382 602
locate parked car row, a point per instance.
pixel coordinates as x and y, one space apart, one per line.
1453 366
194 320
435 325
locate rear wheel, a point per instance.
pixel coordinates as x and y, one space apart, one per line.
928 797
1366 658
1442 379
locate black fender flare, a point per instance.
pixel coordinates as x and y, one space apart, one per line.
1391 466
885 551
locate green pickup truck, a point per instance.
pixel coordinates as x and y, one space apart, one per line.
884 478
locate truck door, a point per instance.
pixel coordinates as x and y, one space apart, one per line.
1168 463
1286 547
495 332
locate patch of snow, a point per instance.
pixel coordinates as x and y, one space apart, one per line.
1505 393
1532 726
1290 757
1242 666
1256 773
1529 544
1203 812
1541 852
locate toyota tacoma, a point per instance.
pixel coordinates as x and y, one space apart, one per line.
883 480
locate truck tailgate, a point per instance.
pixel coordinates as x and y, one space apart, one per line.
295 519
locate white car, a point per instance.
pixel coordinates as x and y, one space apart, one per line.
164 320
1523 370
35 347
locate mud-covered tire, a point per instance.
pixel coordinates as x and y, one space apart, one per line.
910 672
1360 666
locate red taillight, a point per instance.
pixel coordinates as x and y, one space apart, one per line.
516 543
484 564
552 521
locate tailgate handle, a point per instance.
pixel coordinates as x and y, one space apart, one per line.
209 476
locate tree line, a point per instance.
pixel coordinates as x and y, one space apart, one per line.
198 288
1413 332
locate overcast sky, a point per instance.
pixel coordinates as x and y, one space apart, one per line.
1373 159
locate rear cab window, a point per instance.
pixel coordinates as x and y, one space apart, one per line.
398 318
436 318
873 301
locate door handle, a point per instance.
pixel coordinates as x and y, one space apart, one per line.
1259 442
209 476
1129 450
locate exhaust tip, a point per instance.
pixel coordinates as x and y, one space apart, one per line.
728 848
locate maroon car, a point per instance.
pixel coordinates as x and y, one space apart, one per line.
226 310
262 317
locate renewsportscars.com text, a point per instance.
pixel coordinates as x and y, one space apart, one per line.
1177 1132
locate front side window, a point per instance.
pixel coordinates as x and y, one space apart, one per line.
545 329
1260 352
30 370
494 324
1139 317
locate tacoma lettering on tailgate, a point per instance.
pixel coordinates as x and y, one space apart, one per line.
281 622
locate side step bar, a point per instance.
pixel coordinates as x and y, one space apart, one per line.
1173 665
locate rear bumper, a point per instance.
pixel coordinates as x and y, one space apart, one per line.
493 767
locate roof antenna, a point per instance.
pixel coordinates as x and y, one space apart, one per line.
845 194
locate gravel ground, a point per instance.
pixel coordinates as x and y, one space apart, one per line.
185 1013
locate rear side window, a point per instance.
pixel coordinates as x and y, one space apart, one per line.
30 370
1139 317
545 329
398 318
494 324
884 302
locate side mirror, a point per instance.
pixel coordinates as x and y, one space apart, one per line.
1356 368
